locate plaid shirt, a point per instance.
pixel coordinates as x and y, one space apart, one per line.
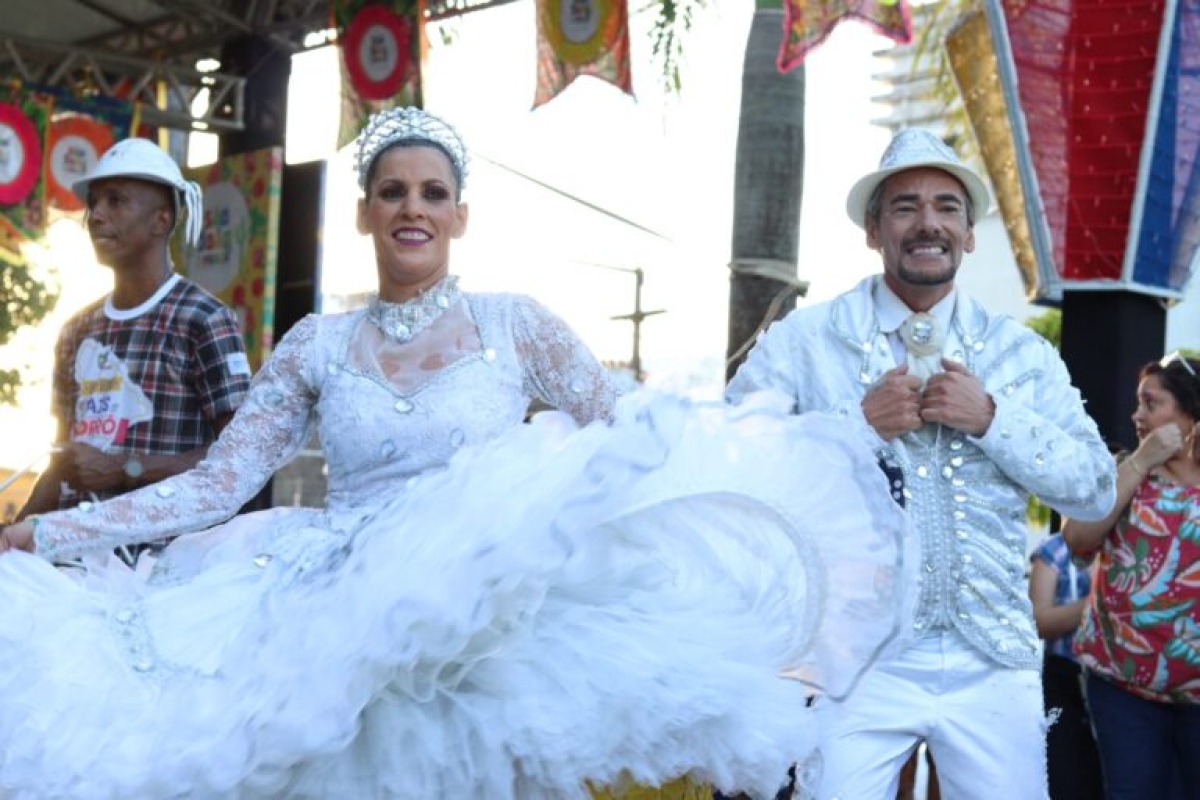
1056 555
185 352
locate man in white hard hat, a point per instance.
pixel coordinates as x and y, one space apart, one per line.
146 377
970 414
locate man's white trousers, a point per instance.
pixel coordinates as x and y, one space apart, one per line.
983 724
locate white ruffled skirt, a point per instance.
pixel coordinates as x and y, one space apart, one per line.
559 606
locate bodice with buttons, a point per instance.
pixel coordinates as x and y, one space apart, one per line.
385 409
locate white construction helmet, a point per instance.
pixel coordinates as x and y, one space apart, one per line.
143 160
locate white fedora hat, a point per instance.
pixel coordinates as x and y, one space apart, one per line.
913 148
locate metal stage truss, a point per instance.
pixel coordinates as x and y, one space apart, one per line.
147 52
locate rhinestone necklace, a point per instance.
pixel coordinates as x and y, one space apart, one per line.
403 321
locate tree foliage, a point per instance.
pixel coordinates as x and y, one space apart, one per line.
25 301
671 20
932 23
1049 325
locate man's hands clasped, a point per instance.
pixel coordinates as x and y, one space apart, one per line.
897 405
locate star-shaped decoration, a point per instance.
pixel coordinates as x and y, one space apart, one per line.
808 23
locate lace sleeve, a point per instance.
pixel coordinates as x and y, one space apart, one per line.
558 367
264 434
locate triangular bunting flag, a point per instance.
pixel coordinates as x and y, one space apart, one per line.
581 37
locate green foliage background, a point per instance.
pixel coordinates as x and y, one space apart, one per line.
24 300
1049 325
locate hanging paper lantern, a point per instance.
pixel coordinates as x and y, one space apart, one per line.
20 155
1100 99
73 146
976 67
376 51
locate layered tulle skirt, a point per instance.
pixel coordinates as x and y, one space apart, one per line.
555 610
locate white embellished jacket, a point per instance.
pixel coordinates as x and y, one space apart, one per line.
966 496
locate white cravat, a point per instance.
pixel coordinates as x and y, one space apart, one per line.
923 339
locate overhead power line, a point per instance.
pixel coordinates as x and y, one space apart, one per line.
574 198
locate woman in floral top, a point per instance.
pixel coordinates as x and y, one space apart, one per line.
1140 637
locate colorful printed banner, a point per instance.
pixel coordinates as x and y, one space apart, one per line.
807 23
73 146
80 131
24 118
236 257
383 48
581 37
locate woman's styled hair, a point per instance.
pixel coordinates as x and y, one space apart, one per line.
1178 376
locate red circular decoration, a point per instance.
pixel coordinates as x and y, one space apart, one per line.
376 51
73 146
18 178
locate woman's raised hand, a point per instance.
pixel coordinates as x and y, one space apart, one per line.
1159 446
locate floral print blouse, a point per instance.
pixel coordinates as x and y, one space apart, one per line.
1142 628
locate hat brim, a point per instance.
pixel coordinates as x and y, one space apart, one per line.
80 187
861 191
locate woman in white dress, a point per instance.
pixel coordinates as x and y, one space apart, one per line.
612 593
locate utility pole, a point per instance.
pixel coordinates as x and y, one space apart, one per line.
767 181
638 314
636 318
